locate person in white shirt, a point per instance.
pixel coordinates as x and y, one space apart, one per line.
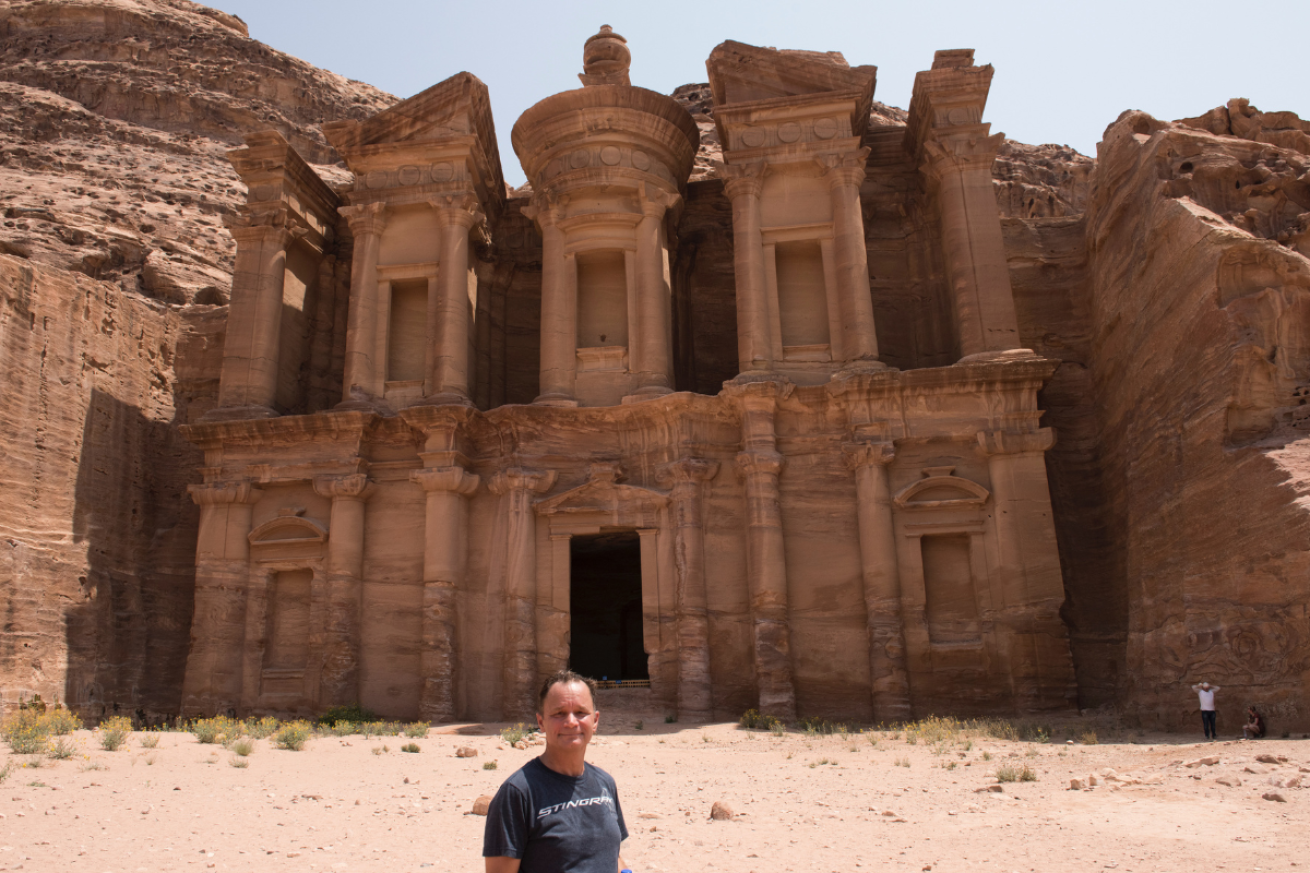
1205 692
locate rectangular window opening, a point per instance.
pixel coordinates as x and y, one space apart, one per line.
602 300
288 620
802 295
951 603
406 350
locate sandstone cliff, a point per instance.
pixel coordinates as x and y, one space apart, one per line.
1167 277
114 119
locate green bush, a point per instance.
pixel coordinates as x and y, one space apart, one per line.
26 731
264 727
62 721
219 729
410 747
62 748
417 729
513 734
150 741
1011 773
293 735
242 747
353 713
489 765
114 732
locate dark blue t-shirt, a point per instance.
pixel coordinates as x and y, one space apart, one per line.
555 823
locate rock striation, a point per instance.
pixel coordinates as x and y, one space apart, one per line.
1164 284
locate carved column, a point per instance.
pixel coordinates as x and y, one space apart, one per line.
959 169
889 680
760 464
339 678
448 375
695 689
754 336
364 373
559 311
517 485
845 174
653 295
445 553
250 352
212 683
1027 573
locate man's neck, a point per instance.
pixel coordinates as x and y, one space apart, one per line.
565 765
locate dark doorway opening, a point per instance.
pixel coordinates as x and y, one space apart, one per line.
605 600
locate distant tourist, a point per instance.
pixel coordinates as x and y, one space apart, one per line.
1254 728
1205 691
558 813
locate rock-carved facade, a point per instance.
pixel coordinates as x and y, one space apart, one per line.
857 523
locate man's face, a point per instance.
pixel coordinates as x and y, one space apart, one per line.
1205 686
568 717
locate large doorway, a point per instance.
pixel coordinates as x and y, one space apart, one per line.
605 600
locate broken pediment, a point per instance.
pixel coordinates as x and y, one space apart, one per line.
442 136
288 538
604 495
741 73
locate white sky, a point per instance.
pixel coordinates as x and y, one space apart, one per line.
1064 71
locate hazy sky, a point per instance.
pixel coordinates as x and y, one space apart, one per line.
1064 71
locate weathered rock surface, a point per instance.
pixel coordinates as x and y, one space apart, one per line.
115 116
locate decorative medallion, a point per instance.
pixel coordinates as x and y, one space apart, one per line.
789 132
958 115
442 172
610 155
409 175
641 160
826 128
377 179
579 159
752 137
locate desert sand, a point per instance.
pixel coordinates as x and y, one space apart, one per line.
801 803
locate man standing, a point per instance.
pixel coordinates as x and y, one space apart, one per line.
558 814
1205 691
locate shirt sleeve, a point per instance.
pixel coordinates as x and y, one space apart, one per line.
618 811
509 821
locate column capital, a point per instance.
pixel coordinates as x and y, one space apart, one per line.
759 462
687 471
461 210
743 180
1004 442
867 454
960 152
455 479
545 209
522 479
756 393
224 492
656 201
279 225
844 169
355 486
366 218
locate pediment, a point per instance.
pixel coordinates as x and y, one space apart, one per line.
741 73
604 497
459 106
942 491
289 528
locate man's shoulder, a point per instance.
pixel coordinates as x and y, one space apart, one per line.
598 773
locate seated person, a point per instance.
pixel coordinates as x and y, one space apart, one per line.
1254 728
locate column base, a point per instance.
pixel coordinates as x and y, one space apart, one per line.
998 355
857 368
240 413
561 400
650 392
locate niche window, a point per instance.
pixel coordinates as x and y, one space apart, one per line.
602 299
802 295
951 605
407 331
288 620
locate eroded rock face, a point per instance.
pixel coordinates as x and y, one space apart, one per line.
114 119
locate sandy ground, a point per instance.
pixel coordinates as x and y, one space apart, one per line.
342 805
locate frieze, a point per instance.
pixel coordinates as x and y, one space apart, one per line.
411 175
785 133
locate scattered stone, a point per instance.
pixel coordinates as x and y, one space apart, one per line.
520 745
1271 759
1229 781
651 815
1257 771
466 752
995 789
1077 785
1274 796
481 805
720 811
